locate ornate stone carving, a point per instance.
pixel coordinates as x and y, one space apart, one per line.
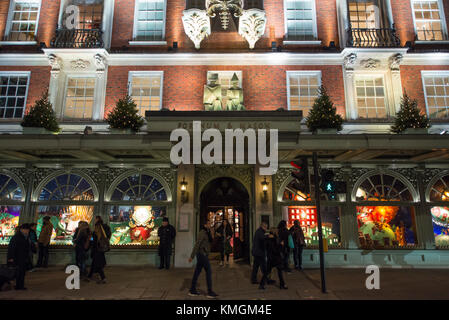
224 8
395 61
235 95
196 25
252 25
243 173
79 64
350 61
370 63
55 62
100 62
212 98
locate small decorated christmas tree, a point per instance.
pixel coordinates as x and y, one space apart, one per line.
409 116
41 115
323 114
125 115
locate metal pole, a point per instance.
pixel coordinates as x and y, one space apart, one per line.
320 229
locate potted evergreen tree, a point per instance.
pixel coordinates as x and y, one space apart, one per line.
409 118
323 117
125 118
40 118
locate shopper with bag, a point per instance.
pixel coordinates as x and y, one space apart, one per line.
19 254
99 245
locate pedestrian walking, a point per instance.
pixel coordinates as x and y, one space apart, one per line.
44 242
283 236
167 234
299 240
33 245
81 240
224 234
259 253
19 254
99 245
201 251
274 254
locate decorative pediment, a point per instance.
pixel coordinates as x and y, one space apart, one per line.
370 63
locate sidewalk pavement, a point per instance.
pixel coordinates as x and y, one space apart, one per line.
232 282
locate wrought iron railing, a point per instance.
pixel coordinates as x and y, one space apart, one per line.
78 38
364 37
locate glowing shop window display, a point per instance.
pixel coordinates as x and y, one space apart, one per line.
440 222
136 225
384 226
307 217
65 220
9 220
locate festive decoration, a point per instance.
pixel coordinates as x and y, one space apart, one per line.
323 114
125 115
8 223
409 116
41 115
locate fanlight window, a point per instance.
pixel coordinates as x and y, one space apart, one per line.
440 190
383 187
67 187
9 188
139 187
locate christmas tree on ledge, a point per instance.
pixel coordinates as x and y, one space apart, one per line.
41 115
409 116
125 115
323 114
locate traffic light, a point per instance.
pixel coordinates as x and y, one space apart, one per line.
328 185
301 175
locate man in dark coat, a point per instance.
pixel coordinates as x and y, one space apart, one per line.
259 252
167 234
299 240
19 254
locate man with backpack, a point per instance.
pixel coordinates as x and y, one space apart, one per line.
299 242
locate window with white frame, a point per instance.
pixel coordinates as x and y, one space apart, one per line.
13 94
302 90
224 79
428 20
300 20
436 91
22 20
371 97
79 100
146 90
149 20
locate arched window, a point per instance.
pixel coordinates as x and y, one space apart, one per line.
438 191
138 204
12 195
386 215
67 198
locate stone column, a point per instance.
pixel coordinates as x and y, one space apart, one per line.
27 215
185 212
100 92
424 226
55 79
101 209
396 84
350 94
349 232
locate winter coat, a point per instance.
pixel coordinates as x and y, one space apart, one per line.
98 257
166 236
202 244
298 235
33 240
80 238
223 241
19 250
274 250
283 236
45 235
259 245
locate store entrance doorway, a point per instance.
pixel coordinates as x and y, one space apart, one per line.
227 199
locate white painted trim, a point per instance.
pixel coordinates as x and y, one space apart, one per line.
132 74
442 19
431 73
432 42
19 73
300 73
147 43
311 43
18 43
135 23
9 19
315 29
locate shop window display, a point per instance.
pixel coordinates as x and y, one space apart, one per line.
9 220
440 214
136 225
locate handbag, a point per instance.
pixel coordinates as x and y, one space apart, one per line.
291 244
103 242
8 271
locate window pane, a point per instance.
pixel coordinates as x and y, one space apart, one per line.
437 94
145 89
428 20
303 91
12 96
79 98
300 20
150 20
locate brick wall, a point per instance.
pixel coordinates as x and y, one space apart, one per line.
412 82
4 9
48 21
39 81
264 86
